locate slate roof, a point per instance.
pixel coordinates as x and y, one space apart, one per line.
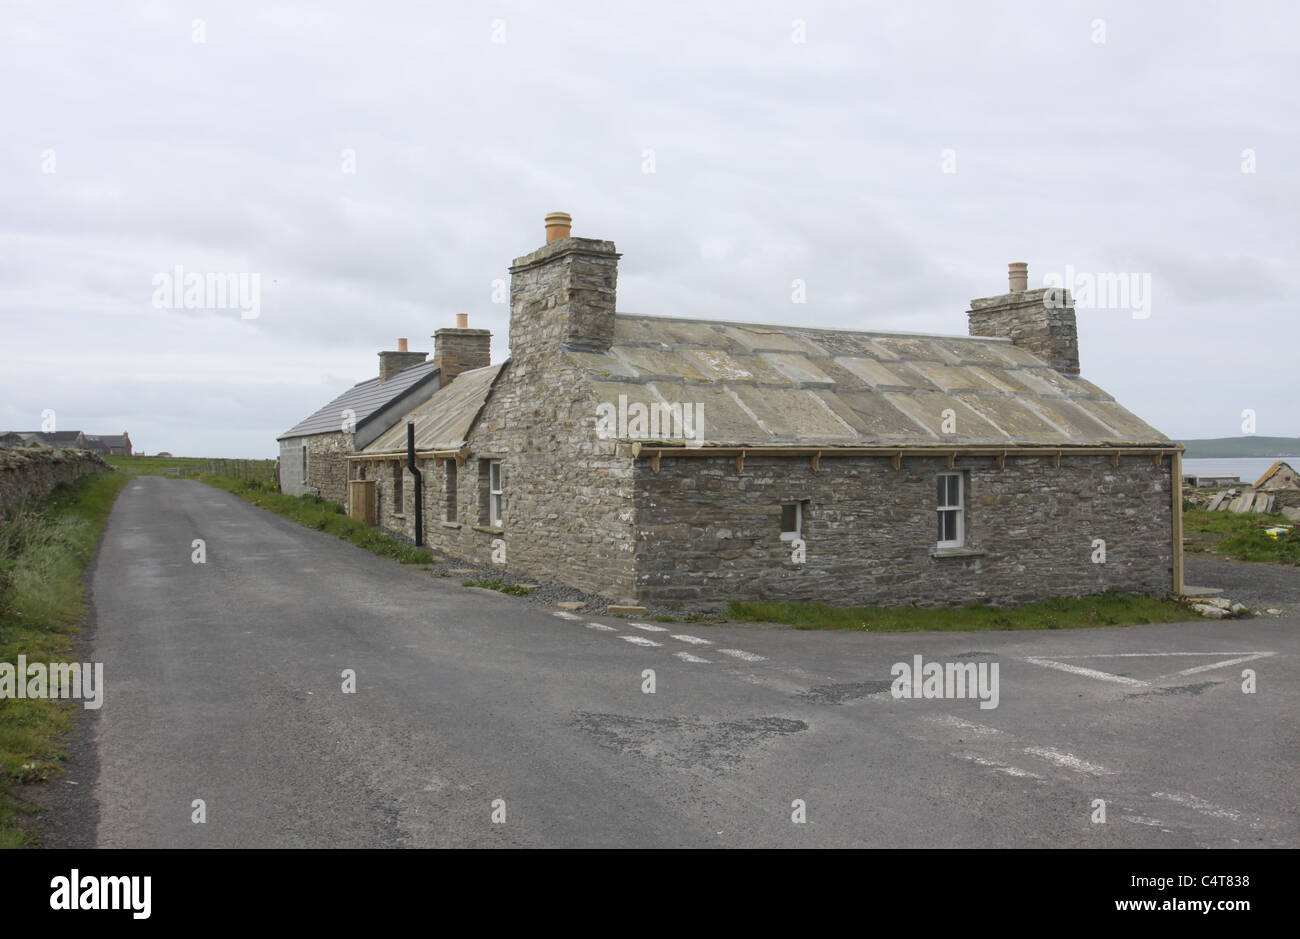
764 385
105 442
54 438
365 399
444 421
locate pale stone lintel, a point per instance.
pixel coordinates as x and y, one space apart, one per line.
937 553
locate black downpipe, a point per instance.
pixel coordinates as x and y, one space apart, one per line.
419 484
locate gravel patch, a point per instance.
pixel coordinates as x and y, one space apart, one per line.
1259 586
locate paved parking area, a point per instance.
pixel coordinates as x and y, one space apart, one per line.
482 720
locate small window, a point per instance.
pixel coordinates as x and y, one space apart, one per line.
304 465
495 493
489 493
952 512
791 521
451 489
399 504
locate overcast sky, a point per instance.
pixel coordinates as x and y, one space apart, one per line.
788 141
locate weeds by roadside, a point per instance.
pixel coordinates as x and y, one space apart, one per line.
1107 609
44 550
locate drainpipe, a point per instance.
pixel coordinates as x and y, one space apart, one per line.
419 484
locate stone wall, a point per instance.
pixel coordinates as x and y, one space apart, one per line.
563 294
567 495
461 350
707 533
327 471
1049 331
29 473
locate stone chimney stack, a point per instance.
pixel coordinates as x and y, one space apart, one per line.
1040 321
461 349
390 363
563 294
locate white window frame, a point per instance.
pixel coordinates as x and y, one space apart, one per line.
798 522
495 493
959 509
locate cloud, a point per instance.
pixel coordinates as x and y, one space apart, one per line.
773 160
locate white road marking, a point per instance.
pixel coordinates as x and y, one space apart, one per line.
956 722
602 627
694 640
1199 805
649 627
742 654
1207 668
1000 767
1069 761
687 657
565 614
1149 655
640 641
1143 820
1086 672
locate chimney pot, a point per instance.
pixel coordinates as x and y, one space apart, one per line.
401 345
462 321
1018 273
558 225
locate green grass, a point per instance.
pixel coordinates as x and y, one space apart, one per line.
1241 536
1257 546
44 551
258 470
1107 609
515 590
314 512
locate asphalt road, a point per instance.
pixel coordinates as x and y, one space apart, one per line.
224 684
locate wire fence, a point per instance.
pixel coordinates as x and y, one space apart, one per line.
250 471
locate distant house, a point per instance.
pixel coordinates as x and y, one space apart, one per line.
1279 476
105 445
679 462
109 444
1203 481
60 438
313 452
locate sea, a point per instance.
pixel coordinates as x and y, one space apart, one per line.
1248 469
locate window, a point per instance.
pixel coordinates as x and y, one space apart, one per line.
451 489
304 466
399 504
952 512
791 521
494 493
490 491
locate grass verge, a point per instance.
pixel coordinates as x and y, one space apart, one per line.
1106 609
1241 536
44 550
515 590
314 512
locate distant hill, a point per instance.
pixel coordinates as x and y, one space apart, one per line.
1228 447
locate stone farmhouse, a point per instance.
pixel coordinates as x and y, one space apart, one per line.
682 463
313 452
103 444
